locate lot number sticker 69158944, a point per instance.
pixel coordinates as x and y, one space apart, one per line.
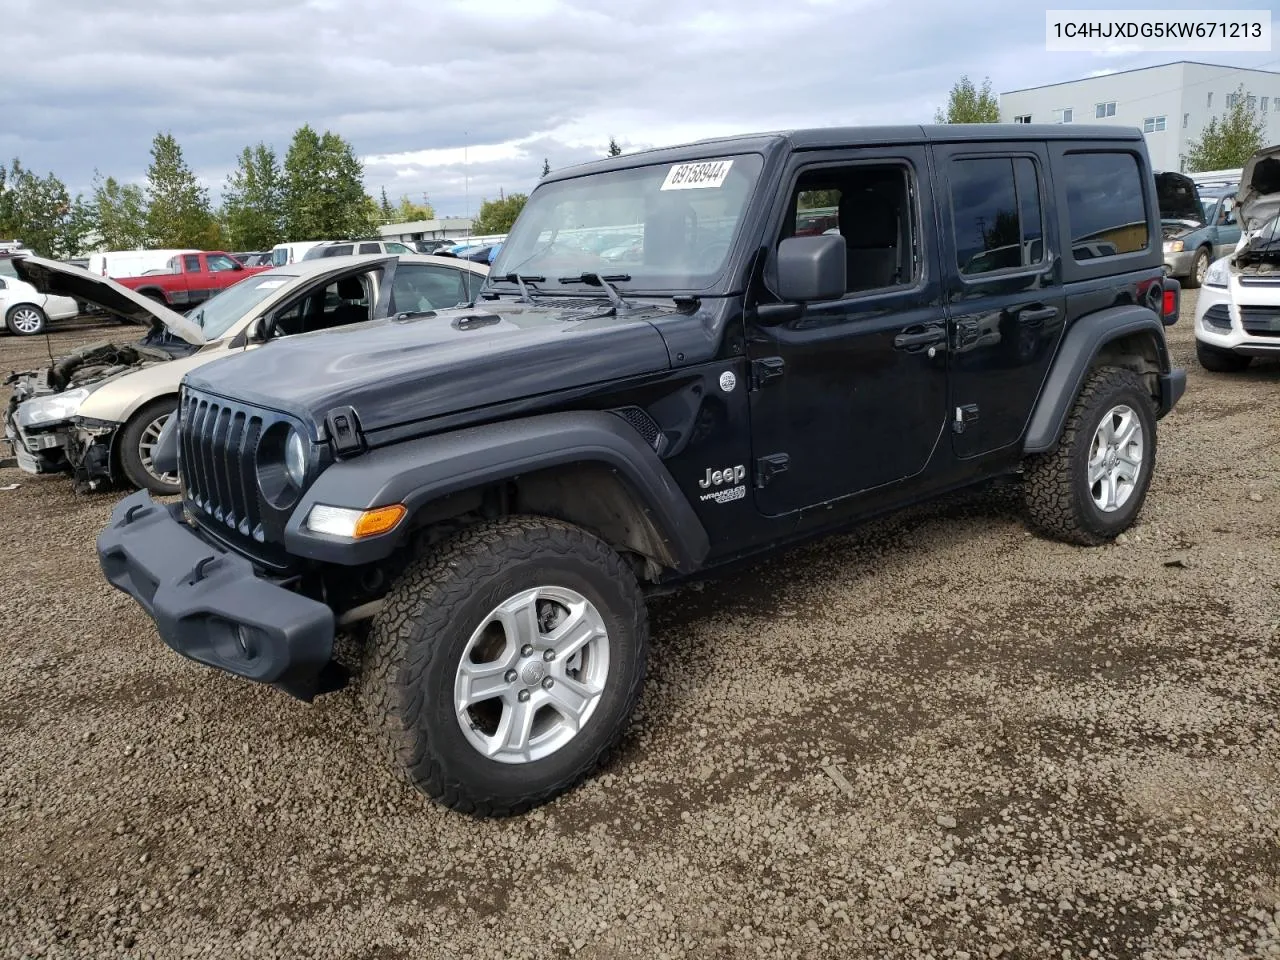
703 175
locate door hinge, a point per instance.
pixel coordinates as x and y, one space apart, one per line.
344 431
765 370
964 415
769 467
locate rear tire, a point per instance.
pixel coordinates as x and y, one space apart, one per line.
488 736
1091 487
26 320
137 446
1199 267
1217 360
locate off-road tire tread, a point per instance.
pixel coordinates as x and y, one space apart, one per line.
1049 491
1217 360
399 647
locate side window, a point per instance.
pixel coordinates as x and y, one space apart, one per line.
418 287
996 211
474 282
369 248
339 250
1228 213
190 264
397 248
279 257
869 205
338 303
218 263
1106 207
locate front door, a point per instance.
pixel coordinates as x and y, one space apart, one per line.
852 395
1003 287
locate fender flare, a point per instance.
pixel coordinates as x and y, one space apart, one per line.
417 472
1080 346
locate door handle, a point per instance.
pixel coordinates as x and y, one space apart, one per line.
924 338
1035 316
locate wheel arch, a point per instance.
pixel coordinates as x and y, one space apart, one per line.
589 468
1128 336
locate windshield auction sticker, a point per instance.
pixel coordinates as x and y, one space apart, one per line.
705 175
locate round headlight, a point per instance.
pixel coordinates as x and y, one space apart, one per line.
295 458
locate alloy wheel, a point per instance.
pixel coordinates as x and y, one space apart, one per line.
27 320
1115 458
147 449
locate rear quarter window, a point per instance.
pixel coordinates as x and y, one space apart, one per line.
1106 204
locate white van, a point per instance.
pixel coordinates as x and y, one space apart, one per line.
283 254
131 263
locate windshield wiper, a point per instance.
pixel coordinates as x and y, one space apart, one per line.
598 280
520 280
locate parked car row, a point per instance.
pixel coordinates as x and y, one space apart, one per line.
98 412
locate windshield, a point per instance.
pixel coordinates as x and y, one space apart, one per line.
666 227
220 313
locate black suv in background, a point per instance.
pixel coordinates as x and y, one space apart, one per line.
680 358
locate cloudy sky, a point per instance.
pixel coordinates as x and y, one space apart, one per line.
416 85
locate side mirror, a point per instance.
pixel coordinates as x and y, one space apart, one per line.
258 330
237 265
811 269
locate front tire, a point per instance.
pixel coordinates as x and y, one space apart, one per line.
503 667
1091 487
1199 267
26 320
1217 360
137 448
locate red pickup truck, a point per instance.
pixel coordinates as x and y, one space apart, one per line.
191 278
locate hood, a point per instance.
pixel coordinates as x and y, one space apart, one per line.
1179 199
400 371
1258 198
61 279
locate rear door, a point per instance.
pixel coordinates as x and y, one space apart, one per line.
1003 287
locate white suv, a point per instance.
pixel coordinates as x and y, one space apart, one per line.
1238 312
25 311
347 248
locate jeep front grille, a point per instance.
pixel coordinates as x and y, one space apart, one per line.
219 443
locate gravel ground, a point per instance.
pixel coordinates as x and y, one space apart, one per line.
937 737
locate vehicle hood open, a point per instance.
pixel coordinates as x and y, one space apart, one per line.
1179 200
1258 199
399 372
61 279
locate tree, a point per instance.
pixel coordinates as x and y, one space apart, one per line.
408 211
178 213
252 200
497 216
117 213
546 166
324 194
39 212
1228 141
968 104
614 149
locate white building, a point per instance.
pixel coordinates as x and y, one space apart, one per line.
446 228
1170 103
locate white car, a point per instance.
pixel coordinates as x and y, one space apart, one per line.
1238 312
25 311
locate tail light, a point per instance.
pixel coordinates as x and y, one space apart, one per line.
1170 301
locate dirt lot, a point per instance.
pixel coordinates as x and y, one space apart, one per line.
940 737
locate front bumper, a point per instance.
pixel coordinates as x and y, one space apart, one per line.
211 605
1179 264
42 452
1233 337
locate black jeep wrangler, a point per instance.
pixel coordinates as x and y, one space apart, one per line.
680 358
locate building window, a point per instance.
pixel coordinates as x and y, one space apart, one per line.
1186 119
1066 114
1103 110
1275 103
1023 118
1208 102
1264 104
1251 102
1153 124
1232 100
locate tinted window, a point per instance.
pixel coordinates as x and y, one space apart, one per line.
996 205
397 248
369 248
338 250
1106 210
191 264
420 287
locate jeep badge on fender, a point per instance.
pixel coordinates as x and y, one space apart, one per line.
521 471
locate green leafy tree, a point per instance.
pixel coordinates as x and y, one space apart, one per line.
252 200
117 213
39 212
1230 140
178 213
408 211
324 195
968 104
546 166
497 216
818 199
614 149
